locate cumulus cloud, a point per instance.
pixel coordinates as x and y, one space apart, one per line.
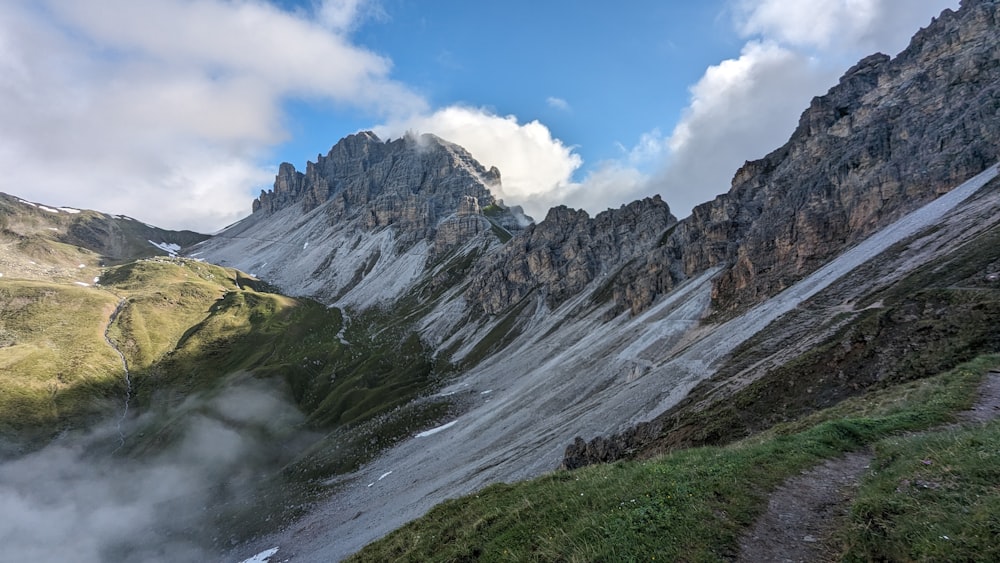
839 25
740 109
100 100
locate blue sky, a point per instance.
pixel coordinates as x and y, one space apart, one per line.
177 112
597 77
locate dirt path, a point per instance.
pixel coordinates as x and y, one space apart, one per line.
804 511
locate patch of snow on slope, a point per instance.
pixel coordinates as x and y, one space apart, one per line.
69 210
168 247
262 557
49 209
433 431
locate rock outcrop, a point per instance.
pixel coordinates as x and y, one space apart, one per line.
564 253
892 135
417 184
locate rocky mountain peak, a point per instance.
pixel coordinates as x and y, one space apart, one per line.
893 134
362 169
426 187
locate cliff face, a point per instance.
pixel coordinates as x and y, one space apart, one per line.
892 135
561 255
416 184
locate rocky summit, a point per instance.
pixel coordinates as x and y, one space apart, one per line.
363 222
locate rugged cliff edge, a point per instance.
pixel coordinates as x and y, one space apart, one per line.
412 183
892 135
564 253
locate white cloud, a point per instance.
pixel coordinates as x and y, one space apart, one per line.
740 109
557 103
342 15
837 25
165 109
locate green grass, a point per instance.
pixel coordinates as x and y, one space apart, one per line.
933 497
187 327
190 330
55 366
691 505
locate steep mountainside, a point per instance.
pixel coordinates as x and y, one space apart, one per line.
64 244
580 323
892 135
362 225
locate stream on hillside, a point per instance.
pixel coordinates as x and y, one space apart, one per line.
128 378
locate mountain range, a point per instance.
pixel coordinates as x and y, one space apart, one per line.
382 333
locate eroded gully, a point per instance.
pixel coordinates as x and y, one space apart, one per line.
128 378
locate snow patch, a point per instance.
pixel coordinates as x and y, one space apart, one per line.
384 475
49 209
487 392
27 202
168 247
433 431
262 557
69 210
82 266
305 245
82 284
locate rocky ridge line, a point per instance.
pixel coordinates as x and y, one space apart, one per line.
893 134
424 186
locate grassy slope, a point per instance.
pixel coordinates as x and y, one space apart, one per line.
689 505
45 244
185 327
53 357
191 329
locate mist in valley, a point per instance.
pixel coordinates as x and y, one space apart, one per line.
186 477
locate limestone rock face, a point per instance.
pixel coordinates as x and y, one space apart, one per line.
891 136
412 183
565 252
